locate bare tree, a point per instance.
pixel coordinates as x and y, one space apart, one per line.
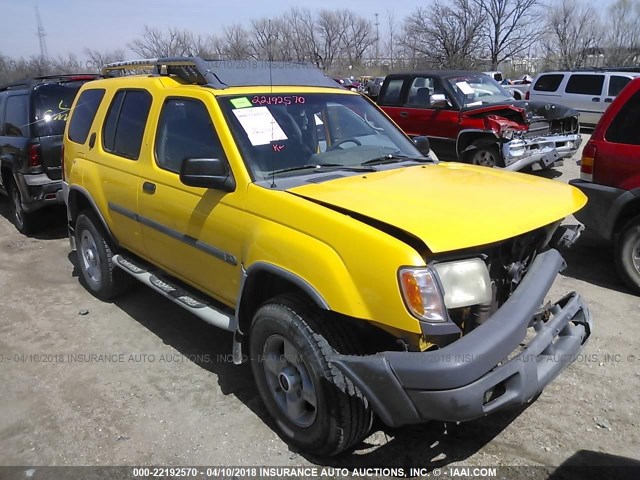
356 35
511 27
448 35
622 40
574 32
157 42
97 58
237 46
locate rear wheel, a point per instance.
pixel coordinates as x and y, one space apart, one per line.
627 253
315 407
24 222
95 259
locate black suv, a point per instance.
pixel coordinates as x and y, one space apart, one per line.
33 114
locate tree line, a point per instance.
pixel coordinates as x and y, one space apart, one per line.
524 35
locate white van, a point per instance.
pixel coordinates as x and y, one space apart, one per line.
588 91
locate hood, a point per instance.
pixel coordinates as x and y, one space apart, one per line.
546 110
450 206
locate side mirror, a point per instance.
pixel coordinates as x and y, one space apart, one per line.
207 173
439 100
423 144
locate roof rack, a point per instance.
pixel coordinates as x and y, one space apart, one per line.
221 74
62 77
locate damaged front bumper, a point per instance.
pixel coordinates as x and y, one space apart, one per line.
474 375
543 151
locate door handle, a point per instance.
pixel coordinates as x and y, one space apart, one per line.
92 140
404 114
595 99
608 100
148 187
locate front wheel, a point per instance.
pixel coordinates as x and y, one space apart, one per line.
627 254
485 156
315 407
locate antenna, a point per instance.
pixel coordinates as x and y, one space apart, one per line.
377 24
270 57
41 34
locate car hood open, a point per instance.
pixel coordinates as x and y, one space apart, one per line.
450 206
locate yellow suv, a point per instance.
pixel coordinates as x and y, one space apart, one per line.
359 276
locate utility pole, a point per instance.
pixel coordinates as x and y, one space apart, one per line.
377 40
41 34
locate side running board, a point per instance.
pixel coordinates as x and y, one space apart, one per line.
177 294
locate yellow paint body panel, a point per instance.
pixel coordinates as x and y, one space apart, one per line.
351 264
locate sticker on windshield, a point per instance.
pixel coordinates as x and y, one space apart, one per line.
465 88
241 102
260 125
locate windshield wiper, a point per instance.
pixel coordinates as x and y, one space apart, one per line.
395 159
327 167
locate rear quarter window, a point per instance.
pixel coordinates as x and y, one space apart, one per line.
84 114
17 116
585 84
616 84
625 127
548 83
391 95
125 123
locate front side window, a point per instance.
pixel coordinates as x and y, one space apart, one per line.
185 130
17 116
548 83
585 84
625 127
125 123
420 92
289 134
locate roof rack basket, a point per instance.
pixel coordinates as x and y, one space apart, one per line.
222 74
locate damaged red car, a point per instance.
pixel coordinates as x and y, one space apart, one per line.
469 117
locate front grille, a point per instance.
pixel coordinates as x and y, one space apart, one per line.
537 129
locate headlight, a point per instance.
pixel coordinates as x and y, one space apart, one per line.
429 291
465 282
422 294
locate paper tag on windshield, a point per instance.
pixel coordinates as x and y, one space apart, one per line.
260 125
241 102
465 88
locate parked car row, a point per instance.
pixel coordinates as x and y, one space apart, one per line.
354 270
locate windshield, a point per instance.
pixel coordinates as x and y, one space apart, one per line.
52 104
477 89
284 134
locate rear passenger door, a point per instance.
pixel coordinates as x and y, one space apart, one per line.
585 93
194 233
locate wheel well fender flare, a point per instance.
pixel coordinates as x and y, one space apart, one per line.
623 209
79 199
466 139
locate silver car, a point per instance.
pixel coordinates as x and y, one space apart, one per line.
589 92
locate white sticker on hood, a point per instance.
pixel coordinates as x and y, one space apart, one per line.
465 88
260 125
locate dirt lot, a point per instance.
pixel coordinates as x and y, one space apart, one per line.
165 392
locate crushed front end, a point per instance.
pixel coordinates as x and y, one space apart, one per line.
487 356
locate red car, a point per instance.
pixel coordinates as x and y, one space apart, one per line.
469 117
610 177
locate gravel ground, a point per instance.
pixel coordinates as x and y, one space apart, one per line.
165 391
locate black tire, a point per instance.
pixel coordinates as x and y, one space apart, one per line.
484 155
95 259
627 254
24 222
341 417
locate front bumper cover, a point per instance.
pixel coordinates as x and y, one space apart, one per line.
472 377
544 151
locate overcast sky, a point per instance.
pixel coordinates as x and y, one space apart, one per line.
72 25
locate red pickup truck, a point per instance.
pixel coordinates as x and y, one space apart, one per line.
610 177
469 117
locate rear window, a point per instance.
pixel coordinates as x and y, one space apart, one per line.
625 127
52 105
585 84
548 83
616 84
83 115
